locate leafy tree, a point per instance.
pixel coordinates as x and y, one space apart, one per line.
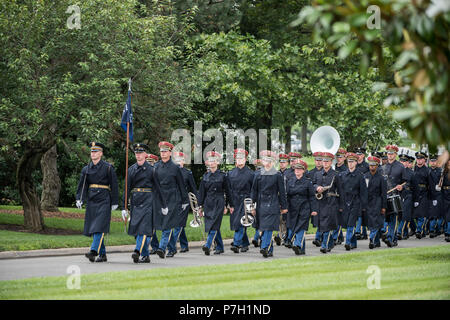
62 83
416 34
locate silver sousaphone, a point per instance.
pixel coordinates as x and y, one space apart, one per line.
325 139
248 219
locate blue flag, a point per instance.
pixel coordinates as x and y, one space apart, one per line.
127 114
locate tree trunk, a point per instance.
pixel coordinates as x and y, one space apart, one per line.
304 139
288 139
51 184
30 199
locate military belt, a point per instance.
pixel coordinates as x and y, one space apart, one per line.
142 190
101 186
446 187
422 185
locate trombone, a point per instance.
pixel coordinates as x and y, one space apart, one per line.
247 219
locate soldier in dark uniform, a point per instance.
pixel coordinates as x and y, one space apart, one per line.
178 233
340 158
287 173
436 210
421 193
257 237
328 183
174 194
445 189
355 192
98 188
142 186
395 175
213 196
269 193
301 205
384 158
406 195
363 167
154 242
377 201
241 180
315 218
340 167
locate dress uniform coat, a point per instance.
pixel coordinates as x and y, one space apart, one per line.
355 193
377 199
363 167
436 211
333 199
190 185
310 175
406 194
211 195
269 193
174 193
421 191
143 187
301 202
241 181
99 190
446 197
341 168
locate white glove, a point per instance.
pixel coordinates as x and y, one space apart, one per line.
184 206
125 215
416 204
79 203
434 203
114 207
165 211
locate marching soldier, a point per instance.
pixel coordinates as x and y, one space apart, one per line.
355 192
421 193
287 174
179 234
436 210
315 218
445 189
301 205
257 237
395 175
241 180
98 188
154 242
340 157
363 167
377 201
328 184
269 193
142 186
174 194
211 197
406 195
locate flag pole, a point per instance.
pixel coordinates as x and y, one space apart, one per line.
126 160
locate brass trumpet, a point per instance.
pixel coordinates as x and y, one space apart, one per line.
248 219
197 221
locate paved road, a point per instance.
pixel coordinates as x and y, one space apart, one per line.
43 266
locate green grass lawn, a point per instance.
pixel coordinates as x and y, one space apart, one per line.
415 273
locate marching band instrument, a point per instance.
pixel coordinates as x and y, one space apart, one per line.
319 195
197 221
393 189
325 139
248 219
